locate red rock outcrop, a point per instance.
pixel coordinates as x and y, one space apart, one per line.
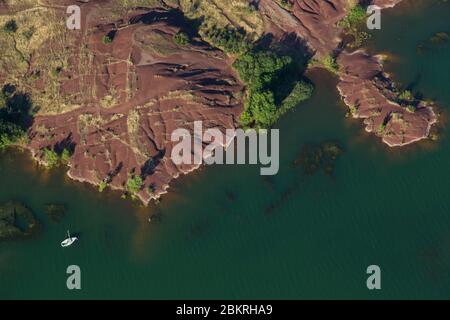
370 95
137 90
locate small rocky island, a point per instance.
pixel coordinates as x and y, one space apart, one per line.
104 99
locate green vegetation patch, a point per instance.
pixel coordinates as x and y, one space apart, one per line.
54 159
181 38
352 23
102 185
329 63
134 184
230 40
107 39
65 156
406 95
286 4
407 100
355 17
51 157
260 71
273 86
302 91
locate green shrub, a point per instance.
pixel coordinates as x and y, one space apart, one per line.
406 95
107 39
102 186
260 71
329 63
65 156
229 39
51 158
353 109
10 26
134 184
411 108
10 134
355 17
181 38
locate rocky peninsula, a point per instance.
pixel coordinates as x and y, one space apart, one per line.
106 97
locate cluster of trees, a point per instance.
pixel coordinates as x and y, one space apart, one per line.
259 71
230 40
10 133
53 158
265 73
15 116
329 63
134 184
262 72
107 39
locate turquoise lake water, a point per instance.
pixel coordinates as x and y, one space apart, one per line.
227 232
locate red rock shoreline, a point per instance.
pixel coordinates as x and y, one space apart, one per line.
132 93
364 86
367 91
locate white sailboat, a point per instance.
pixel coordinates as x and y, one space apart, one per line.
69 241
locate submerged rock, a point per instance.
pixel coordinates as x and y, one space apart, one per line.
314 158
155 218
55 212
16 221
438 39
